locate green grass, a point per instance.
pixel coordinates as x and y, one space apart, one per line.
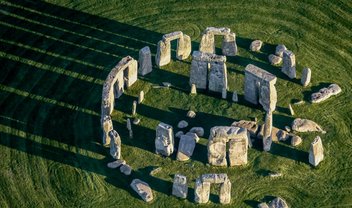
55 56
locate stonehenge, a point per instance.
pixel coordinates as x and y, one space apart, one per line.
163 55
316 152
134 108
237 138
268 126
229 46
325 93
289 64
260 85
202 188
164 140
193 89
179 187
140 97
145 61
142 189
274 60
215 65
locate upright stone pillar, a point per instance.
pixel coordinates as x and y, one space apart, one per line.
164 141
268 126
107 127
217 76
316 152
289 64
145 61
115 144
229 46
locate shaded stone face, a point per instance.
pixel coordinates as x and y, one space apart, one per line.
256 45
201 191
115 144
229 46
278 203
179 187
289 64
145 61
164 141
217 77
186 147
107 127
306 75
142 189
316 152
238 145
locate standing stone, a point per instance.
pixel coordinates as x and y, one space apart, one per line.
207 43
199 70
238 148
316 152
186 147
217 77
267 140
191 114
193 89
280 50
225 192
235 97
306 75
274 60
163 54
126 169
129 128
256 45
115 144
229 46
141 97
164 140
201 191
134 108
325 93
278 203
107 127
179 187
145 61
291 109
289 64
224 93
142 189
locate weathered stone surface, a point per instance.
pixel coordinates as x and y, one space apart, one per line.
193 135
251 126
126 169
296 140
306 75
129 128
219 136
224 93
225 192
136 121
217 77
179 187
214 178
325 93
182 124
278 203
134 108
291 109
145 61
164 141
191 114
116 164
316 152
229 46
193 89
260 84
140 97
256 45
263 205
274 60
289 64
201 191
305 125
179 134
280 50
186 147
235 97
142 189
115 144
197 130
107 127
268 126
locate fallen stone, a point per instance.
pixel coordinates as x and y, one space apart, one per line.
274 175
115 144
191 114
182 124
263 205
276 134
186 147
141 97
128 124
278 203
197 130
193 89
306 75
296 140
194 135
235 97
126 169
142 189
288 129
274 60
179 134
256 45
179 187
280 49
166 84
305 125
155 171
225 192
116 164
316 152
325 93
136 121
291 110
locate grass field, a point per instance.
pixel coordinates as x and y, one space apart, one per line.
55 56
